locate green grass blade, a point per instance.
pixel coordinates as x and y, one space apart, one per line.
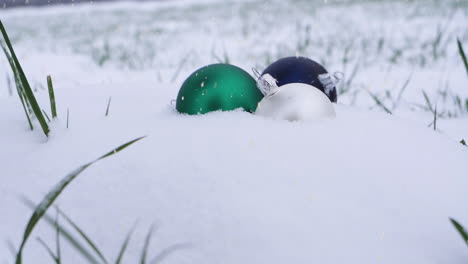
379 103
22 94
27 88
226 57
462 54
168 251
67 235
16 78
463 142
428 101
8 80
58 248
49 199
26 111
47 117
460 230
9 59
124 246
114 151
402 90
108 105
83 235
18 85
53 107
47 248
46 202
144 253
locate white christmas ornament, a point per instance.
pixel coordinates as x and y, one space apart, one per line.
296 102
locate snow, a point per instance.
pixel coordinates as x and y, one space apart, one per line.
232 187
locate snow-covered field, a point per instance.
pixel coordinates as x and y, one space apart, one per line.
232 187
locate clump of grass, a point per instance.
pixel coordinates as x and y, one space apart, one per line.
64 233
77 238
53 194
19 88
90 251
24 89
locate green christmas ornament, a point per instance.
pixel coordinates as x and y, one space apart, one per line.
218 87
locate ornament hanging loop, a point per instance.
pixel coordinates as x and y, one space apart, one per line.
329 82
266 83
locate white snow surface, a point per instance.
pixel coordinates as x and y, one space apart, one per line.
232 187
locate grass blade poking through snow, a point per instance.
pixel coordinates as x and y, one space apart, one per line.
168 252
84 236
53 107
45 114
378 102
49 199
108 105
461 230
124 246
8 80
51 253
31 99
144 253
67 235
462 54
19 89
402 90
26 112
428 102
58 248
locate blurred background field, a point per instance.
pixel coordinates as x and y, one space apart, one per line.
388 50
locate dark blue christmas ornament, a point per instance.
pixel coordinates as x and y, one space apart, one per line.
302 70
